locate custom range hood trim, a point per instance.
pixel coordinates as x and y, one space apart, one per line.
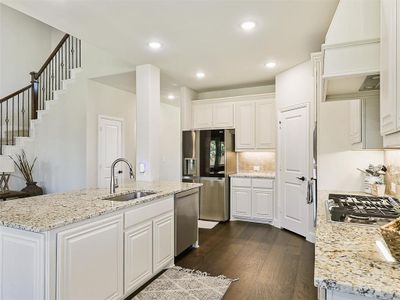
351 49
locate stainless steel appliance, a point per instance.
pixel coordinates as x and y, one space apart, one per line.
362 209
186 217
190 156
209 158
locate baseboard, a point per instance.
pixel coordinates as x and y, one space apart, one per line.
277 223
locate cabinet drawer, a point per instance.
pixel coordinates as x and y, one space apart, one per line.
151 210
241 182
263 183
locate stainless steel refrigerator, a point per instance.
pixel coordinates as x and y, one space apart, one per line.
208 157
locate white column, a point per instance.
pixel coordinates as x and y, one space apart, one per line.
187 95
147 123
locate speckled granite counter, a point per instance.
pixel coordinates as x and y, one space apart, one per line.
270 175
43 213
347 259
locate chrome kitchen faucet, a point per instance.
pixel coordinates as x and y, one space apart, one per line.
113 184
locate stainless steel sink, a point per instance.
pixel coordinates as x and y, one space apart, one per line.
130 196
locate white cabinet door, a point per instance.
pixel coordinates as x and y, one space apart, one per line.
262 204
202 116
90 261
223 115
22 264
389 64
138 255
355 121
265 125
245 126
241 202
163 241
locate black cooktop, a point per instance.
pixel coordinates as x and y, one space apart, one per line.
362 209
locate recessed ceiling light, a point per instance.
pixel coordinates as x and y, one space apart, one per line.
270 65
248 25
155 45
171 97
200 75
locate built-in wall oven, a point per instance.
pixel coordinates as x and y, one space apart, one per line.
209 158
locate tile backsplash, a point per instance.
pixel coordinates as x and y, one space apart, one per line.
392 179
249 161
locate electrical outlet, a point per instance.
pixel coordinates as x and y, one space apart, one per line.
256 168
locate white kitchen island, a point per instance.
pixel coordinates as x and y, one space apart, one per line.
80 246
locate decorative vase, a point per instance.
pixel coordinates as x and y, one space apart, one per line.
32 189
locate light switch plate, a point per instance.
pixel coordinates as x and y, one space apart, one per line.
142 168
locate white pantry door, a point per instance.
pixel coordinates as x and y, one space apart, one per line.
109 148
294 139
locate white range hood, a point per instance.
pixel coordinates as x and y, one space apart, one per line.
351 51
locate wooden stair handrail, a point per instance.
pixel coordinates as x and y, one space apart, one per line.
48 60
18 109
15 93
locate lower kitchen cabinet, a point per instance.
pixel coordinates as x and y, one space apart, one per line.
252 199
112 257
262 203
241 202
163 241
138 255
90 261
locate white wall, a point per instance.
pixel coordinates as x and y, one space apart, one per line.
59 143
109 101
65 139
170 142
237 92
294 87
25 43
337 164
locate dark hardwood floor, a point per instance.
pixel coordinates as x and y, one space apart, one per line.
270 263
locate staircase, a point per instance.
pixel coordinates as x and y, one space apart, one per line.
20 110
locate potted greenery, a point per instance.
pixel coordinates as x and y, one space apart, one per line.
25 167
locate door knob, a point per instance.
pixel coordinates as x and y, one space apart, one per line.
302 178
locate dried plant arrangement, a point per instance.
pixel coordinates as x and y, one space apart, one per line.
24 166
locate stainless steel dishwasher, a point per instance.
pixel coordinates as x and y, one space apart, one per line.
186 218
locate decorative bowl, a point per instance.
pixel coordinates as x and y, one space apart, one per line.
391 235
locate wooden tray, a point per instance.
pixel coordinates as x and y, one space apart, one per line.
391 234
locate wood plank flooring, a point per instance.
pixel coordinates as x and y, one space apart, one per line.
270 263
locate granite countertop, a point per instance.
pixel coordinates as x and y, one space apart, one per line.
44 213
269 175
347 259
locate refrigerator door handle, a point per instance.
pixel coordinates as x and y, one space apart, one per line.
312 197
310 191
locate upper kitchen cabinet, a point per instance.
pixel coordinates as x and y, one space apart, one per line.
223 115
255 125
265 125
390 81
252 116
202 116
351 51
213 115
245 133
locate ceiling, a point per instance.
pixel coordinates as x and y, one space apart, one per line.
202 35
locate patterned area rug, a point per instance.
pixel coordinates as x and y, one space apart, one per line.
178 284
